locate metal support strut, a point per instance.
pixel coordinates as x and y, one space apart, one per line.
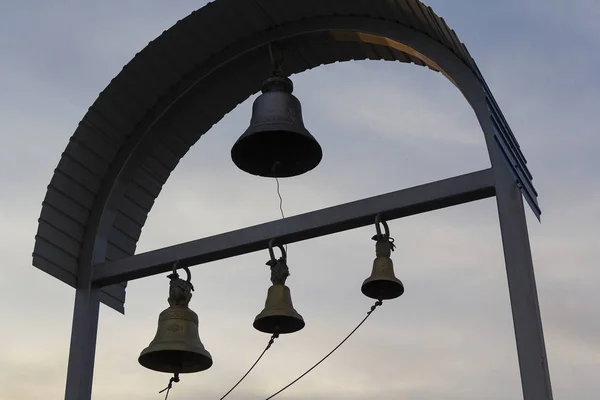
82 350
418 199
533 364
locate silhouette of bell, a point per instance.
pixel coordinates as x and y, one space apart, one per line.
276 144
177 348
279 315
382 284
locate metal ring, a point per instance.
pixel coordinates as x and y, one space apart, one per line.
379 220
186 269
189 274
175 267
386 228
272 254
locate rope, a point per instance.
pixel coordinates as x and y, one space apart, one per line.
174 379
275 336
373 307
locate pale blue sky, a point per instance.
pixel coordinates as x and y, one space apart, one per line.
383 126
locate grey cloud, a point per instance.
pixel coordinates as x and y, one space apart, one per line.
450 336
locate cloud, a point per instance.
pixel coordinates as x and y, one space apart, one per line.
383 126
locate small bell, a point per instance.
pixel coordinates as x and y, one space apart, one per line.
382 284
177 348
276 144
279 315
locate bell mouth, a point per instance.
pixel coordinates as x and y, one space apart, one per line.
172 361
383 289
276 153
281 324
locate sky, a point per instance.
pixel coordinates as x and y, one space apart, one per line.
383 126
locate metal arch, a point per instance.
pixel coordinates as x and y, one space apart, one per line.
532 357
99 231
368 30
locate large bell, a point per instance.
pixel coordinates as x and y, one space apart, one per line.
177 348
382 284
276 144
279 315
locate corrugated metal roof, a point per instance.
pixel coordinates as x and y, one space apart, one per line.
174 90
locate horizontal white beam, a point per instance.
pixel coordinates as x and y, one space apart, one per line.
448 192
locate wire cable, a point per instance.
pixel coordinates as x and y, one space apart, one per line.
280 205
280 199
373 307
275 336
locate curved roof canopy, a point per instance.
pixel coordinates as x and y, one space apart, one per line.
188 78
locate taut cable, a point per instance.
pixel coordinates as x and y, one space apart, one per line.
373 307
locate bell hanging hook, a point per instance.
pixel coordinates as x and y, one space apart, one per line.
174 276
279 268
386 229
380 221
273 260
276 56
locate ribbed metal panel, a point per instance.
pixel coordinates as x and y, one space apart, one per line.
116 253
126 225
67 205
114 295
55 254
61 221
59 239
177 61
67 184
56 270
88 156
125 232
147 180
131 211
